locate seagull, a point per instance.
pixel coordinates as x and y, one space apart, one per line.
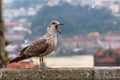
41 46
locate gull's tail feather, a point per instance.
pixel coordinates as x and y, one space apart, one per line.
19 58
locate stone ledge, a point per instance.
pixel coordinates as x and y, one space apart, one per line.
97 73
50 74
107 73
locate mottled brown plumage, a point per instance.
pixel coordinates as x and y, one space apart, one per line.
42 46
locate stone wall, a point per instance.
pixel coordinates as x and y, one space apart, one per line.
61 74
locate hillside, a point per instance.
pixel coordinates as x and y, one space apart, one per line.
77 19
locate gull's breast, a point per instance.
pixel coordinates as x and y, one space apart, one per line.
52 44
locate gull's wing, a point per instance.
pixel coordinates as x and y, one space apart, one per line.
38 47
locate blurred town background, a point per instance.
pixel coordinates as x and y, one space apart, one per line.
91 29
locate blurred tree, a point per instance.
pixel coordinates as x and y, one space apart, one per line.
79 19
3 53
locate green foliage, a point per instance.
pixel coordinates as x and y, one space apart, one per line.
77 19
25 3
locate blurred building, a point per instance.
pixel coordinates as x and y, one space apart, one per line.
109 57
114 8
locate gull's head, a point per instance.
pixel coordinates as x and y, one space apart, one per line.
54 26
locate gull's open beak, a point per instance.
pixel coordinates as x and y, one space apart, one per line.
59 29
61 24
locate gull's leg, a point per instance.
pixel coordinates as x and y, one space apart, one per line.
43 63
40 60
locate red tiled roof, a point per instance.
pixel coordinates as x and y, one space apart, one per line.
99 53
112 34
106 60
21 64
96 34
118 51
12 24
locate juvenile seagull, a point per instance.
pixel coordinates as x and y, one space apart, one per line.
42 46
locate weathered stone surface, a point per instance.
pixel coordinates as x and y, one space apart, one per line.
97 73
107 73
50 74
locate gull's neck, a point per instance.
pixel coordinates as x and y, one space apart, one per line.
51 34
51 37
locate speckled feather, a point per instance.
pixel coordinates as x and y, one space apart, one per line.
36 48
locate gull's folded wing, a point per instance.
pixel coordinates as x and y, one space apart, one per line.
38 47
